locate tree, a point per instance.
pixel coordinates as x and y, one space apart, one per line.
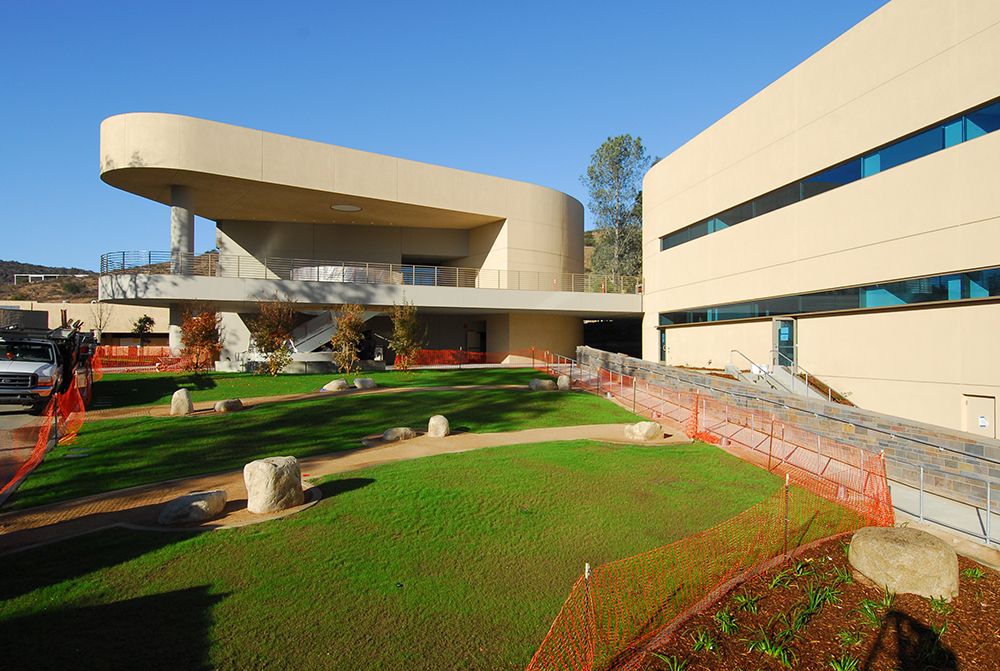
614 184
201 333
142 328
270 331
350 320
407 339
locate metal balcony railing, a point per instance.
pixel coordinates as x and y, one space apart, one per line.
313 270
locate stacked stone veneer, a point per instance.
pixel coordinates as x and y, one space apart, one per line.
964 457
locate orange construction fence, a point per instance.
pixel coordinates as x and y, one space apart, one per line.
617 613
118 359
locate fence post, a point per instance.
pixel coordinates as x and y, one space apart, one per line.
633 395
921 493
786 514
988 513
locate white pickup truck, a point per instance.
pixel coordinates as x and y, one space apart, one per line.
35 364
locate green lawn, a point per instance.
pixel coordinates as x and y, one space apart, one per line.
122 390
128 452
451 562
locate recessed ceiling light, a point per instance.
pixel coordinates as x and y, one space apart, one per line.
345 208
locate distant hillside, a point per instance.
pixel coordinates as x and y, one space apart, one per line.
73 289
9 268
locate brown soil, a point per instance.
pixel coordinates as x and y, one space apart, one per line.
912 633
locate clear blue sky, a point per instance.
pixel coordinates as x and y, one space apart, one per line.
525 91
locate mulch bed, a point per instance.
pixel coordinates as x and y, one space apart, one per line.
905 632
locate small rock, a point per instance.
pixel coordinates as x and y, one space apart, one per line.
364 383
340 384
565 383
398 433
193 507
231 405
180 403
542 385
438 427
643 431
273 484
906 561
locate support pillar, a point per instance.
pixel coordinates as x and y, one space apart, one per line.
174 330
181 231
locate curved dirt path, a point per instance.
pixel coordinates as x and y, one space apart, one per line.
139 507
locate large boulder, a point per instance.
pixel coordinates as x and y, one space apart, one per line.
230 405
180 403
438 427
340 384
906 561
364 383
398 433
542 385
643 431
273 484
193 508
565 383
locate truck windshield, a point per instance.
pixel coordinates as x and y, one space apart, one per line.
26 351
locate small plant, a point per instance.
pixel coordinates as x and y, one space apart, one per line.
803 569
850 638
842 576
782 579
727 622
671 662
868 612
702 640
974 574
888 599
844 663
772 646
846 547
747 602
19 297
941 607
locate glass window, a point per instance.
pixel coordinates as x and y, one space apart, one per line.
912 148
953 133
736 215
832 178
982 121
871 165
777 199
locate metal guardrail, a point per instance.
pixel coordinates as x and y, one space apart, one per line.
921 468
316 270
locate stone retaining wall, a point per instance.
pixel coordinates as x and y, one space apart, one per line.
965 457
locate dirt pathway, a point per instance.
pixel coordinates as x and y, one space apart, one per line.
139 507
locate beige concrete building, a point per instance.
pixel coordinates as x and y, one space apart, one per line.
113 322
492 264
846 220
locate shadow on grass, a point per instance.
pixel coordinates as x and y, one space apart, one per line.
26 571
125 392
335 487
161 631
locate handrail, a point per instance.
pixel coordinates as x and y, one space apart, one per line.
763 371
775 354
213 264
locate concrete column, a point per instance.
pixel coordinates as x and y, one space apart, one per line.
174 331
181 230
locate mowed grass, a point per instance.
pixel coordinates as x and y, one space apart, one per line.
451 562
128 452
124 390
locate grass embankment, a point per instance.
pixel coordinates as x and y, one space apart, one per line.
125 390
458 561
128 452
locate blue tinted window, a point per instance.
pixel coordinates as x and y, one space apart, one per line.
871 165
912 148
977 284
953 133
982 121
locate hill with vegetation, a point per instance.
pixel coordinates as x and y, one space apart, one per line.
70 288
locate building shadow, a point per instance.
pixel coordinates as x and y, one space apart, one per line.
161 631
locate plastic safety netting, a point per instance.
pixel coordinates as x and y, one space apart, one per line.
24 447
120 359
620 611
